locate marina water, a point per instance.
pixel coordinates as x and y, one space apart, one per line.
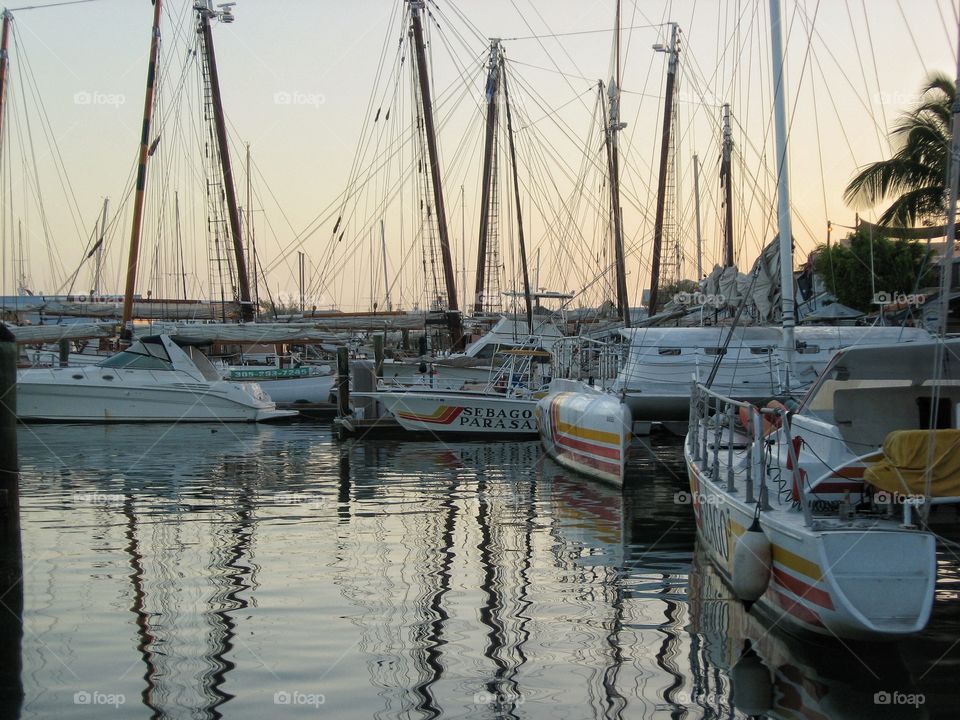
269 571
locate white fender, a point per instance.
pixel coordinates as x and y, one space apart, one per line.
752 559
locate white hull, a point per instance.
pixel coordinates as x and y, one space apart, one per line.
664 362
177 389
585 430
858 585
311 389
462 413
835 571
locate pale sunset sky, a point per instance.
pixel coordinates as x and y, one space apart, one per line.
298 77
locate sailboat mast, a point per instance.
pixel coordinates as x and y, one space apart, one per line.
140 194
4 66
205 12
98 261
674 52
946 272
249 234
696 208
493 86
726 178
783 192
613 169
4 69
386 280
454 321
516 192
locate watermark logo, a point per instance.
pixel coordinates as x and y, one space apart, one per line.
885 97
498 699
684 497
898 698
85 97
94 697
887 498
891 298
300 500
290 301
699 298
295 697
699 98
296 97
95 498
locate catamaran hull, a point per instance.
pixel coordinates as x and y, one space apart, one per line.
461 414
868 584
90 400
588 432
289 391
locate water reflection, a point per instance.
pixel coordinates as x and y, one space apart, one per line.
746 666
269 572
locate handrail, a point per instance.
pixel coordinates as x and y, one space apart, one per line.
724 412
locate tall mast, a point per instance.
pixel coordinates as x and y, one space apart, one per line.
613 160
98 261
205 11
251 249
726 178
386 280
454 321
4 66
493 87
674 52
516 191
946 272
140 194
613 169
696 208
783 192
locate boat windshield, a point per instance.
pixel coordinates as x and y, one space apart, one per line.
140 356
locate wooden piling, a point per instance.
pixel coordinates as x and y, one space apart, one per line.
343 381
11 556
378 355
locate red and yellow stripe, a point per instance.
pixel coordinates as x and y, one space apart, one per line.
443 415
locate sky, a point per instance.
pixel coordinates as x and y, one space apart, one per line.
297 79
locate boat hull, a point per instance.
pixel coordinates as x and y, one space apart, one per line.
859 584
459 413
585 430
98 395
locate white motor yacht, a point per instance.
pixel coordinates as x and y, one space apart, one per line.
153 380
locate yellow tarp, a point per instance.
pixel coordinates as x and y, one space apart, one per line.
905 453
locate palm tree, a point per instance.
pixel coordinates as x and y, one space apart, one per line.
915 177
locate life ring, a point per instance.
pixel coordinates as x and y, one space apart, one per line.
771 423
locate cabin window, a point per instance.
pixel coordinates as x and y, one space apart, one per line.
715 351
669 351
140 356
805 349
761 350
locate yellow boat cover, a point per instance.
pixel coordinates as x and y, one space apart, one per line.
905 453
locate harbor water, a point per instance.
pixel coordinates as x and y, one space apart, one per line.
214 571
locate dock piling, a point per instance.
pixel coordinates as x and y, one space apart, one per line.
343 381
11 554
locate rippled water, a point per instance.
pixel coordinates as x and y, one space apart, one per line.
254 572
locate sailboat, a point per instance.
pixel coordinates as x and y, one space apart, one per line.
589 429
152 379
819 518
